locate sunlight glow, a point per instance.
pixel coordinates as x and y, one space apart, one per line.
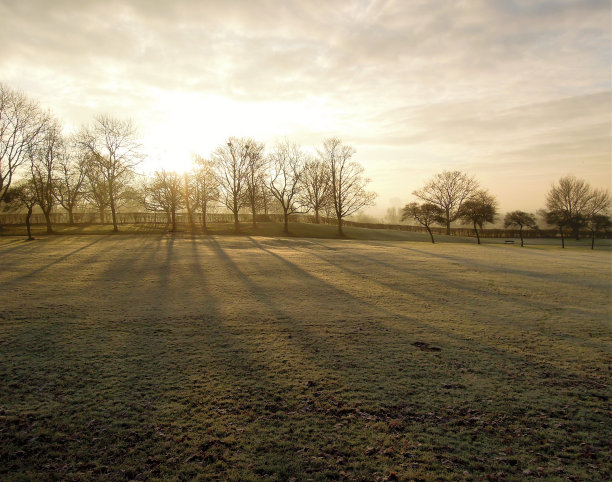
187 123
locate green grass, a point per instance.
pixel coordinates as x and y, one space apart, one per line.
153 357
298 230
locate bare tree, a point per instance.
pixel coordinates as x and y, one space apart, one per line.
449 190
254 176
165 192
425 214
96 187
480 209
204 187
21 122
115 153
598 223
315 193
558 219
286 167
577 200
70 178
44 157
22 195
231 164
522 220
347 184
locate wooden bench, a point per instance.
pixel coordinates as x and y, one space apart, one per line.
509 241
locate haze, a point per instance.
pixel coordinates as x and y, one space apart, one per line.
517 93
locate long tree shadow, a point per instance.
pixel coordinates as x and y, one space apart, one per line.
65 257
461 286
480 346
496 268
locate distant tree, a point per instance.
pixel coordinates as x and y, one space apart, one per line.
165 193
21 122
204 187
577 200
95 190
286 168
480 209
22 195
70 177
449 190
114 152
255 166
347 184
315 194
598 223
231 162
265 199
392 216
44 157
520 219
559 219
425 214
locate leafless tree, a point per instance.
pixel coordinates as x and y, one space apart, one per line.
449 190
425 214
21 122
577 200
286 168
256 162
315 193
22 195
598 223
231 164
347 184
522 220
558 219
480 209
115 153
204 187
44 157
96 187
165 192
70 178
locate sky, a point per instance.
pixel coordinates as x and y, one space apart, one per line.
517 93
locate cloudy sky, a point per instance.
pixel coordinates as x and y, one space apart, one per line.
515 92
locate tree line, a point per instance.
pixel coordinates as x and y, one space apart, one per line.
571 205
97 166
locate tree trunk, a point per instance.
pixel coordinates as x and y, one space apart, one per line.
70 217
30 238
113 213
254 213
430 235
317 216
448 222
236 223
48 222
521 235
173 217
562 238
102 216
592 239
340 232
477 236
204 219
286 219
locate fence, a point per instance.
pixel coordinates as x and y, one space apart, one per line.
157 218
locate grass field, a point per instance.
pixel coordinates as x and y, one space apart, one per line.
169 356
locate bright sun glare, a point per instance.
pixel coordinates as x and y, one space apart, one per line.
189 123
